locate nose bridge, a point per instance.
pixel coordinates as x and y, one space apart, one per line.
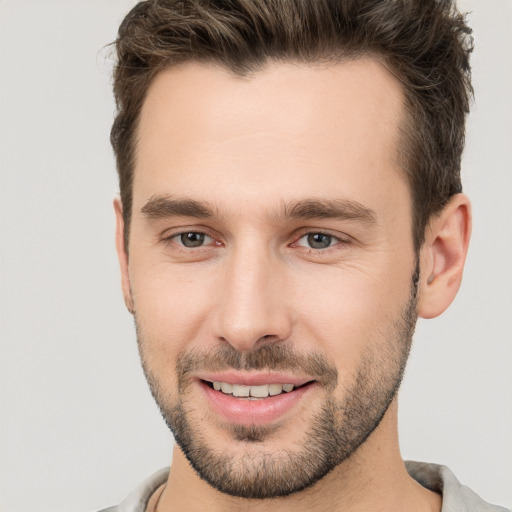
252 301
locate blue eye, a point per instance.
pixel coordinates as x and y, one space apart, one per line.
192 239
317 241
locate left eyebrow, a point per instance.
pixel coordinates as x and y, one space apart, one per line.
342 209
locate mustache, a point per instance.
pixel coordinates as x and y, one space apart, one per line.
269 357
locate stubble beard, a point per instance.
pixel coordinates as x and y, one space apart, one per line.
333 436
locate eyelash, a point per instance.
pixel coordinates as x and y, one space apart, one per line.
337 240
170 239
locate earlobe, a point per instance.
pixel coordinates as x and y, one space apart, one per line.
122 255
443 255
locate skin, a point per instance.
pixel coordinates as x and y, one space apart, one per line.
245 146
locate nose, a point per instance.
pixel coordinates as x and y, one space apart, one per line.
252 302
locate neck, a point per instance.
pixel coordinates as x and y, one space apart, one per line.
374 478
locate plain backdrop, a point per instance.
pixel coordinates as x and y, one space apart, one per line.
78 427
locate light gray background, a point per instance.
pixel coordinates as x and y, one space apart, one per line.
78 426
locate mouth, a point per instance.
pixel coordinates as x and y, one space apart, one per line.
258 400
258 392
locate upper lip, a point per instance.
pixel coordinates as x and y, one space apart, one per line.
254 379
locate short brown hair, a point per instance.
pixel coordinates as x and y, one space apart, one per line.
424 43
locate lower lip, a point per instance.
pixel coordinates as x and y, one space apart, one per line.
254 412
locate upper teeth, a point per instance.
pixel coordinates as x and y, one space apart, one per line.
255 391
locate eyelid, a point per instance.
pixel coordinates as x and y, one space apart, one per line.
169 235
342 237
178 240
341 241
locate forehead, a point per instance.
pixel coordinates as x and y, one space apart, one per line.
321 128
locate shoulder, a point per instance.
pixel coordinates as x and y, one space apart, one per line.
138 499
456 496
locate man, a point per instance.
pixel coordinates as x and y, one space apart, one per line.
290 204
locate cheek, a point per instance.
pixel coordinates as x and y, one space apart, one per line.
350 312
171 310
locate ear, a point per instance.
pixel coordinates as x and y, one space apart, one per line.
122 255
443 255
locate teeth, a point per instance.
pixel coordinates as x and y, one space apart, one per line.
262 391
226 388
275 389
240 390
259 391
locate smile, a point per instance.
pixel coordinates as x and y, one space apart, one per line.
257 400
256 392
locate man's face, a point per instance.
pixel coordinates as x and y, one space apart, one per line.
271 246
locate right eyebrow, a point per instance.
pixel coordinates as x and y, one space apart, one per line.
160 207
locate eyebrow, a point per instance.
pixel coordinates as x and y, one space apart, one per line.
159 207
342 209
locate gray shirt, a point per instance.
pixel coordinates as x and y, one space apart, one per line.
456 497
